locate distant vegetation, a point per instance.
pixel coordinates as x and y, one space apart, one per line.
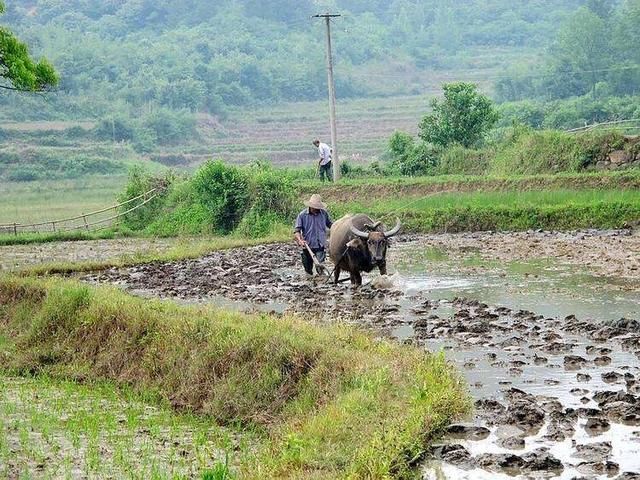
595 52
203 56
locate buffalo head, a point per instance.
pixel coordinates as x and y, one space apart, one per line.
376 241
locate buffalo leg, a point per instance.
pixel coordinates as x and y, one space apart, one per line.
383 268
336 274
356 279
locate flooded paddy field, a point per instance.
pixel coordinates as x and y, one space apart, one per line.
544 326
57 429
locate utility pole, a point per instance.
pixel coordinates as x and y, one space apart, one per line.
332 97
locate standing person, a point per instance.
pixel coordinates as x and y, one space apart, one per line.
325 160
311 229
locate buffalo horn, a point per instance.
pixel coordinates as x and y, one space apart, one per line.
394 230
358 233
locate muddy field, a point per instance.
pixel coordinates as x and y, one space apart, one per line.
543 326
19 256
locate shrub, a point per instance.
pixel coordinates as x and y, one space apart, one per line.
76 132
26 173
271 191
115 129
224 191
257 224
354 170
409 157
527 151
464 116
139 183
169 127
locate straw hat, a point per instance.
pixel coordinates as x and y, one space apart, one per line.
316 202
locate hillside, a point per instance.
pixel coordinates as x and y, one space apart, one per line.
211 56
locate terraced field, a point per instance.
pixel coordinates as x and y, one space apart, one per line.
283 134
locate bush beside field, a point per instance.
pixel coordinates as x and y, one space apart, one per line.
520 150
326 402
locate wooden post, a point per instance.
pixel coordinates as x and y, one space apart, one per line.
15 229
86 226
332 97
54 226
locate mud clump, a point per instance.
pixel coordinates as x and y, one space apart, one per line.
594 452
596 426
468 432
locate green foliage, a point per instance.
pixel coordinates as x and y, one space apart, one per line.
141 182
221 198
224 192
582 45
459 160
569 113
410 157
39 164
464 116
526 151
19 71
594 52
115 129
209 56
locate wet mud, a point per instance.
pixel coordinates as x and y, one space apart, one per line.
550 349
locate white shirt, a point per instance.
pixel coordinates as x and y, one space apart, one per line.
325 153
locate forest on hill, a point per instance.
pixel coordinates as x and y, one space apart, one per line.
136 56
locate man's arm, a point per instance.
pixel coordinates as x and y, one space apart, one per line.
297 232
328 219
299 240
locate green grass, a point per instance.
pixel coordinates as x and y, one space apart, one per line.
55 429
29 238
525 199
323 402
473 211
32 202
486 182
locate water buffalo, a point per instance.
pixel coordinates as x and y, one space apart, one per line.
358 244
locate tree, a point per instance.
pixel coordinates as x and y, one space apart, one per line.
17 68
464 116
581 54
602 8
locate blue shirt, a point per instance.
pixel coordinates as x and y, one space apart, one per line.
313 227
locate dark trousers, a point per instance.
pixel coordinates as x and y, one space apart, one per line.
326 170
307 261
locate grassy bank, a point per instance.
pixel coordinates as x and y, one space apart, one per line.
353 189
260 201
325 403
510 210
